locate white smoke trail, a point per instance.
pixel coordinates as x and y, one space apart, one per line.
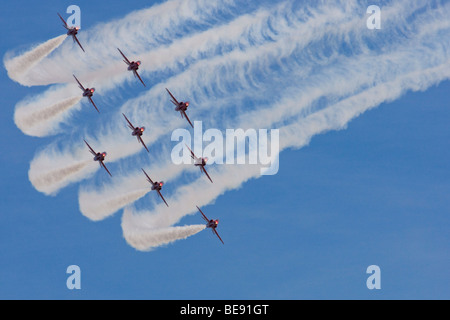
145 239
99 202
49 181
49 176
198 193
96 210
69 169
39 120
20 65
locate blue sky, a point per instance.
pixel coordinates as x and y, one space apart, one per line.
375 192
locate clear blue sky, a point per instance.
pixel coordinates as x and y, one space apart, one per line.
376 192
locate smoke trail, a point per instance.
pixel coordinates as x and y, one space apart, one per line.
48 176
57 175
49 172
39 122
147 238
18 66
97 203
50 181
96 210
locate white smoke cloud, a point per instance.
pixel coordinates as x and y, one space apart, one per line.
146 239
18 66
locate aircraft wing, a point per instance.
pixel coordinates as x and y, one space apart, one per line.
79 83
175 101
204 170
76 39
65 24
130 125
159 192
193 156
214 230
92 101
204 217
187 118
105 168
137 74
126 59
148 178
91 150
142 141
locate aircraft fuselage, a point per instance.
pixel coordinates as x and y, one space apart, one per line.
72 31
133 66
156 186
87 93
182 106
99 157
212 224
137 132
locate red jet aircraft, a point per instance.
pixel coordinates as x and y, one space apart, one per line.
132 66
211 224
180 106
157 185
138 132
200 162
87 92
71 31
98 156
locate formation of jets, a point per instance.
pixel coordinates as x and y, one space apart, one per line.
180 106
